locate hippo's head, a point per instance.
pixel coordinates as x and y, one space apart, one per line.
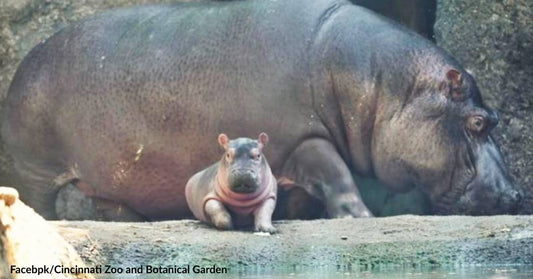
242 161
437 137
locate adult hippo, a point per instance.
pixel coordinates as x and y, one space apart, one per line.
128 104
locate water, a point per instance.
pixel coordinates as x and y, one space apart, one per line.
501 272
466 273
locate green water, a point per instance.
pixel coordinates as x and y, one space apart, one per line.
466 273
501 272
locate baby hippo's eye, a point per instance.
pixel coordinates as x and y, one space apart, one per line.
228 157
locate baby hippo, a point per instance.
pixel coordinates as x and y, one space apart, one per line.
235 189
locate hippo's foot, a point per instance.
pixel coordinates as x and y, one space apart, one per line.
263 217
265 228
347 205
219 216
316 166
73 204
222 221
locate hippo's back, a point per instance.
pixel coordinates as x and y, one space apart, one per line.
131 100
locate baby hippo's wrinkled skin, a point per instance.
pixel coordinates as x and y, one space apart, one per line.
237 187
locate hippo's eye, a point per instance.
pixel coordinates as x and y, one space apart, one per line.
228 157
476 123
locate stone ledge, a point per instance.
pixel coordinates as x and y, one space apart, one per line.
402 241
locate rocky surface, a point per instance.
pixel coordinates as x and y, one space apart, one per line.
494 40
345 244
26 239
325 246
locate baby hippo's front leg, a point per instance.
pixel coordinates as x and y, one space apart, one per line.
263 216
218 215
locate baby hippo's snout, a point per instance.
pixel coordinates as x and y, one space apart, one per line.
243 180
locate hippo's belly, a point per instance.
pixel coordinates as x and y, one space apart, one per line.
144 163
135 99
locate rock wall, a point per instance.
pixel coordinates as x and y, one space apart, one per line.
418 15
494 40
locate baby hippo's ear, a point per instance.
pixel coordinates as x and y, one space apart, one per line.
262 139
223 140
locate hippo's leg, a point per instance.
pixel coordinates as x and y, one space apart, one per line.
263 217
113 211
316 166
295 203
218 214
37 186
73 204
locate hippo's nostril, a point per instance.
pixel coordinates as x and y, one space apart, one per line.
243 179
518 196
516 203
512 200
238 171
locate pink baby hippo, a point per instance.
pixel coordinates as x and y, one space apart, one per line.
235 189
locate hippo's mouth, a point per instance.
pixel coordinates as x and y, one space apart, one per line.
465 204
243 181
498 205
244 188
454 201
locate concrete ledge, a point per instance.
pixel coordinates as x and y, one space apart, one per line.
402 241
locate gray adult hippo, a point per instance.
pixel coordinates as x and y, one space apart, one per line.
126 105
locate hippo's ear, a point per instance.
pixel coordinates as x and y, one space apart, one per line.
455 78
262 139
223 140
